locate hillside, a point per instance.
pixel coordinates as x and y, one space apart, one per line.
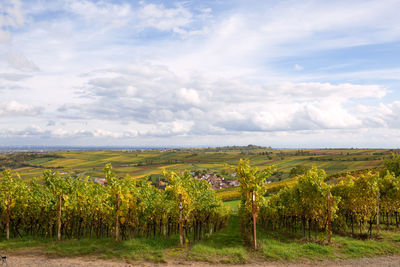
142 163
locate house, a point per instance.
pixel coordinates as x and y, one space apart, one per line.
102 181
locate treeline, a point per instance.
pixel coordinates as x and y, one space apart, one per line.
346 158
124 208
20 160
149 162
323 155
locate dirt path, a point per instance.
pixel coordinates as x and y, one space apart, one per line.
36 261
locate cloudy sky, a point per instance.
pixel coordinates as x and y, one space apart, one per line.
200 73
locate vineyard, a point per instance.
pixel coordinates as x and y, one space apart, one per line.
125 208
310 211
219 160
356 204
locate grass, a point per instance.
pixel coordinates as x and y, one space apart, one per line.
226 246
353 248
278 250
22 243
279 246
134 249
131 250
233 204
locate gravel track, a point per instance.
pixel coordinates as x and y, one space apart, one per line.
40 260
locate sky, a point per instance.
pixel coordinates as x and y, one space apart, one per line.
298 74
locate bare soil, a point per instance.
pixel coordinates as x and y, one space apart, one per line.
45 261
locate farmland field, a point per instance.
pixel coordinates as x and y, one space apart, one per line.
142 163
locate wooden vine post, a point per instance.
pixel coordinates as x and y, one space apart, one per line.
59 218
329 217
253 208
117 219
180 221
8 217
377 213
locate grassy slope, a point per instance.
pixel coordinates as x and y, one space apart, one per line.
277 246
105 248
225 246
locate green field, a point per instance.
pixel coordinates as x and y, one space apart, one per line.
233 204
222 161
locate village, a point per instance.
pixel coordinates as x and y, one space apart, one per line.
216 181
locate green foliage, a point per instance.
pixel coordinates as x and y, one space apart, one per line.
393 164
298 170
354 203
91 210
252 181
304 203
358 200
9 186
252 189
56 184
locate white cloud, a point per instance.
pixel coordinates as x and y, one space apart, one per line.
98 11
216 105
298 67
14 76
247 39
11 13
347 23
14 108
164 19
383 115
131 71
177 19
314 90
11 16
104 133
188 96
174 128
20 62
286 117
